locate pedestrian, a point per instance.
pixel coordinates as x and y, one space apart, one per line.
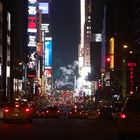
66 111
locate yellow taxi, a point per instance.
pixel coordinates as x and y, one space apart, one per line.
17 110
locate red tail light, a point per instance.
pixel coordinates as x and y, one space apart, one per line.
27 109
6 110
17 105
122 116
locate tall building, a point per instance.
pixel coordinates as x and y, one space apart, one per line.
121 44
12 48
137 40
84 47
39 46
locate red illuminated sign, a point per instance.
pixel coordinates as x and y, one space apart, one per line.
131 66
32 23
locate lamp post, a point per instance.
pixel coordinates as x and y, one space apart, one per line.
124 71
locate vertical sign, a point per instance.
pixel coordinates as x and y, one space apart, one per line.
32 38
131 66
48 52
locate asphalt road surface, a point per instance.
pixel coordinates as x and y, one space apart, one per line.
53 129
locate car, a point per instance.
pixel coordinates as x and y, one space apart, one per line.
129 117
92 114
116 109
75 113
52 112
84 113
105 112
17 110
40 113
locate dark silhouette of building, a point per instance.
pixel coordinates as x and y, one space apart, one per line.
13 44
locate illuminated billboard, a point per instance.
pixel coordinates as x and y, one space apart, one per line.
97 37
48 52
32 23
44 7
32 38
32 56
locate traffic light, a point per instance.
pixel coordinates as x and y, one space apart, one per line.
108 59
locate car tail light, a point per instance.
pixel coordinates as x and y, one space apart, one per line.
47 111
58 111
27 109
98 113
17 105
122 116
6 110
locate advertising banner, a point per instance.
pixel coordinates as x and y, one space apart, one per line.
48 52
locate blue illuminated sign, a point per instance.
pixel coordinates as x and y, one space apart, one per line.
44 7
48 53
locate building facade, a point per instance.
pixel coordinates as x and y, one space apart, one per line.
84 47
12 48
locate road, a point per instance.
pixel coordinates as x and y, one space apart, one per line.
53 129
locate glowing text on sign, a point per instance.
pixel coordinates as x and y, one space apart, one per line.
32 38
131 66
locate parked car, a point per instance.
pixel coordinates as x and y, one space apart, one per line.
17 110
129 119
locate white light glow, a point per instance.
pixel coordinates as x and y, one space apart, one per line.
0 69
85 71
45 27
32 30
32 1
8 71
82 21
32 10
81 60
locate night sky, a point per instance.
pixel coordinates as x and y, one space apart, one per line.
66 31
66 28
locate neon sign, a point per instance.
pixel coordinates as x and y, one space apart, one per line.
131 66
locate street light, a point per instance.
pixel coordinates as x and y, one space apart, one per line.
125 46
124 71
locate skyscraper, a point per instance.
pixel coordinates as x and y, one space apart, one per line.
84 46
